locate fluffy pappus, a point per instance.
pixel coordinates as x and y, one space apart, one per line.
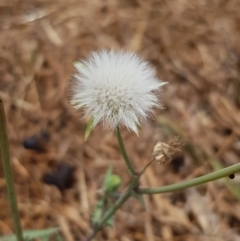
116 88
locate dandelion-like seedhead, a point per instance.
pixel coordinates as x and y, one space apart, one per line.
116 88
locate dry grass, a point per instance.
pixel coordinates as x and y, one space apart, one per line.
194 45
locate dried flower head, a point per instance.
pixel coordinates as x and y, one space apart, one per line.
116 88
163 153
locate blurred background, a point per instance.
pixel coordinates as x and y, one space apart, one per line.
194 45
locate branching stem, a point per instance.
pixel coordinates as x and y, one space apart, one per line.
169 188
123 198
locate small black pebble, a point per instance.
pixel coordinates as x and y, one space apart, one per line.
37 142
231 176
62 178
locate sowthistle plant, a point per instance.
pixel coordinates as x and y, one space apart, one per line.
116 89
119 88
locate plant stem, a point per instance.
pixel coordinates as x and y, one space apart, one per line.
4 146
232 186
124 197
145 168
193 182
123 152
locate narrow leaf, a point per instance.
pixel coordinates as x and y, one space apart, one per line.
97 213
32 234
89 128
109 222
78 65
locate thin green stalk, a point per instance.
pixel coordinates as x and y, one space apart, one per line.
232 186
123 152
193 182
124 197
8 173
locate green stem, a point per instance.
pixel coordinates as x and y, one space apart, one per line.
123 198
123 152
193 182
8 173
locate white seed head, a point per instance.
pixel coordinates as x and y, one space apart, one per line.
116 88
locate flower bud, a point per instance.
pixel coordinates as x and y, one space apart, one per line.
114 181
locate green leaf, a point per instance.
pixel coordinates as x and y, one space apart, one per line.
89 128
109 222
108 205
139 198
97 213
110 185
99 208
44 234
